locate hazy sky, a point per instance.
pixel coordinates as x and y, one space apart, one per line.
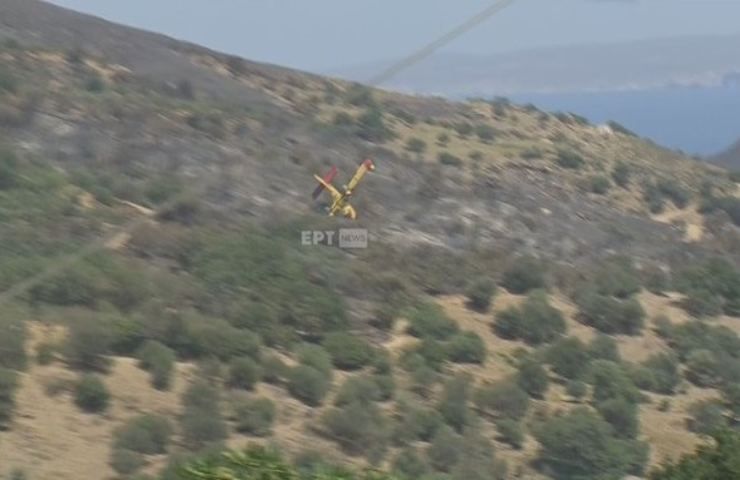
322 35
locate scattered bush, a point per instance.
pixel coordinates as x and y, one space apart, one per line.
610 315
358 389
535 322
255 416
674 192
486 133
419 424
510 432
126 462
202 422
13 336
159 360
147 434
274 370
360 96
524 274
244 373
454 402
358 429
707 417
88 344
576 389
506 399
8 82
95 84
416 145
580 444
91 394
443 139
466 347
308 385
599 184
604 347
702 368
479 293
316 356
622 174
8 386
569 159
446 158
610 381
348 352
410 464
533 378
622 415
429 320
444 450
569 358
371 126
663 374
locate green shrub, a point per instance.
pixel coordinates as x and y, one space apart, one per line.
486 133
91 394
524 274
604 347
358 429
535 322
622 174
358 389
343 119
464 129
580 444
416 145
317 357
675 192
616 277
95 84
664 373
505 398
46 353
348 352
8 82
217 338
610 315
159 360
707 417
13 336
653 198
510 432
147 434
533 378
359 96
569 358
622 415
126 462
410 464
446 158
718 460
8 386
255 416
429 320
570 160
466 347
202 422
371 126
454 402
308 385
703 368
443 139
244 373
599 184
418 423
88 344
576 389
480 293
444 450
610 381
274 370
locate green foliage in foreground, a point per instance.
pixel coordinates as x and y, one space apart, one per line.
260 463
720 461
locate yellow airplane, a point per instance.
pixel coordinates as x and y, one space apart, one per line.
340 199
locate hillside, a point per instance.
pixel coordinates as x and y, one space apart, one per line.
535 286
729 159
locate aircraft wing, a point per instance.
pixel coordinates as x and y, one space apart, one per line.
335 195
367 166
